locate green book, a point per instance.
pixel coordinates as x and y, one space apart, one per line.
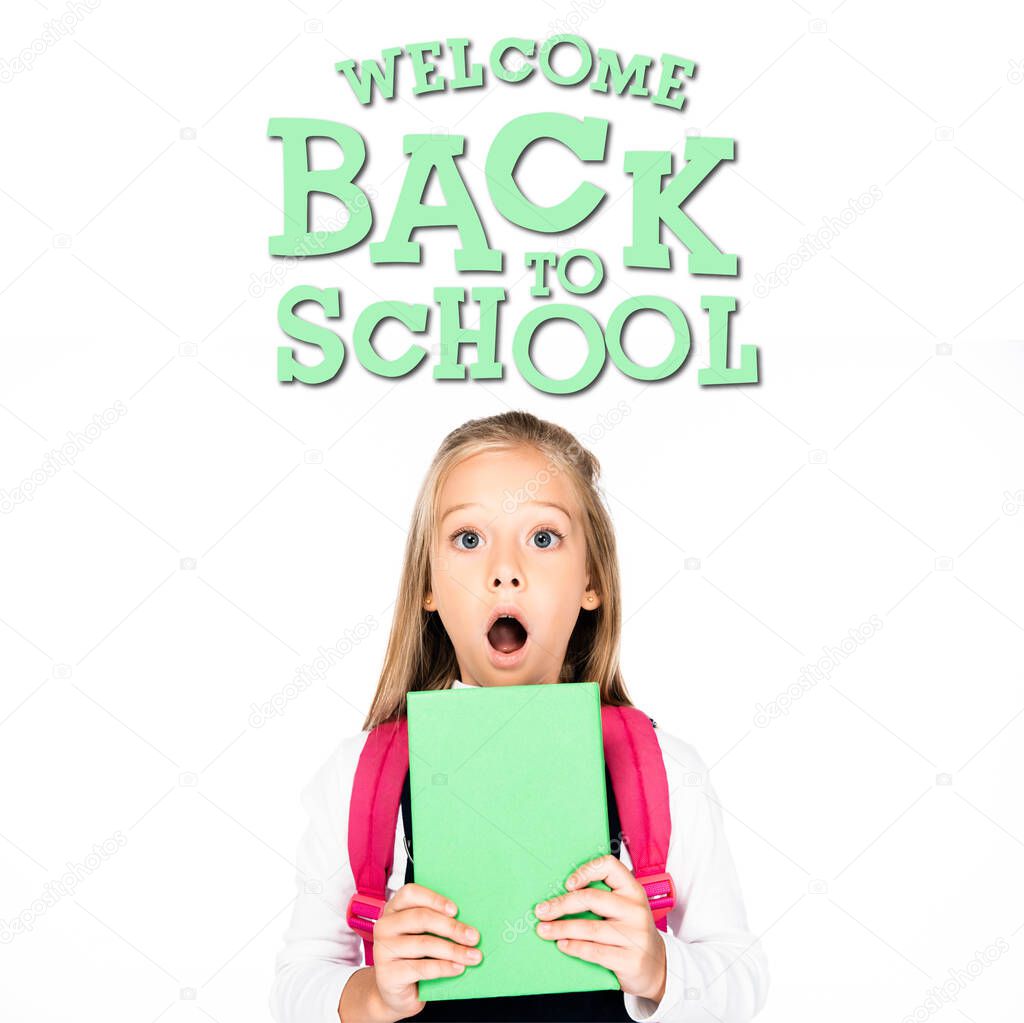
508 797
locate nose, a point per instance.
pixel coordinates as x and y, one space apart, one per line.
504 569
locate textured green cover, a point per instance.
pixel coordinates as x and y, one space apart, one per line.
508 797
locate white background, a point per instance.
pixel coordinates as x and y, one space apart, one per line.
875 470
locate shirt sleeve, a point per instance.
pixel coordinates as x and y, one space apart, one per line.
320 950
715 967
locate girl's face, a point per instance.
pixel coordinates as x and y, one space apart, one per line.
509 533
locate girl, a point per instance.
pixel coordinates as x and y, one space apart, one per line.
509 518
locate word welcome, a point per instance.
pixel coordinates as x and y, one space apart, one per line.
605 71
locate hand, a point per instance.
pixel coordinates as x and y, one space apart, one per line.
626 941
410 943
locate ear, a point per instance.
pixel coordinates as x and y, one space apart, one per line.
428 602
591 600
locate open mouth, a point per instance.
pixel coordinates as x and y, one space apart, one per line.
507 634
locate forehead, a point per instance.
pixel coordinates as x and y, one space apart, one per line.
504 480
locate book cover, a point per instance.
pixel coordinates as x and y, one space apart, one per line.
508 797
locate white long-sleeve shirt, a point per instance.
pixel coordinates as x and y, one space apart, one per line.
713 961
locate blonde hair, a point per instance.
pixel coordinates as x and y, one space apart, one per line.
420 655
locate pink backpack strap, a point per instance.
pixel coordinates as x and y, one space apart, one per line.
637 768
372 820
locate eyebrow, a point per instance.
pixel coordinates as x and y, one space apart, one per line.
474 504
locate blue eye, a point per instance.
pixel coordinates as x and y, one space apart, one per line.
549 533
466 532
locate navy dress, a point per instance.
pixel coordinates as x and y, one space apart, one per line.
591 1006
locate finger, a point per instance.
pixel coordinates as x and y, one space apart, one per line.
413 894
611 870
594 952
603 931
419 946
610 905
424 921
408 971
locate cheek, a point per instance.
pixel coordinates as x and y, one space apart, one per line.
449 571
457 579
559 605
458 591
